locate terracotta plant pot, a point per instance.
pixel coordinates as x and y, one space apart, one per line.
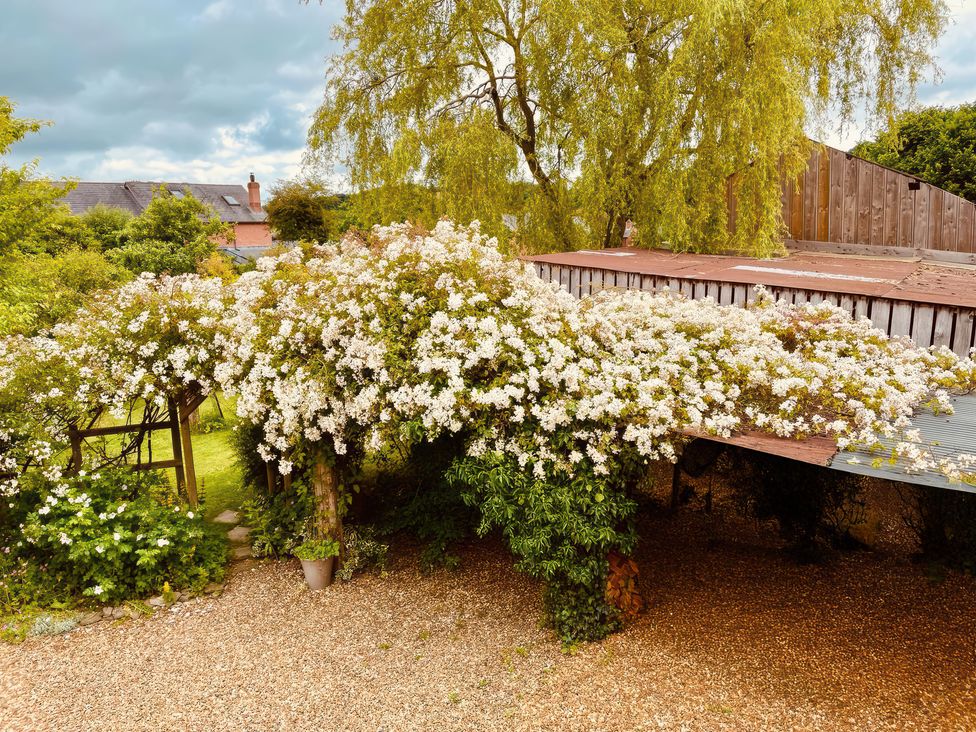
318 572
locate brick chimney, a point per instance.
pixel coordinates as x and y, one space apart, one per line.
254 195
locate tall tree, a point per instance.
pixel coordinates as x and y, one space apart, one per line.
302 211
614 109
28 203
938 144
175 234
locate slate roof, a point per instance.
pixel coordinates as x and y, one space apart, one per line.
135 196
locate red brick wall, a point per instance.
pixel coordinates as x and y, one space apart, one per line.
252 235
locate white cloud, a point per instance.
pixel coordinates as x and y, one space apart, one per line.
146 163
216 11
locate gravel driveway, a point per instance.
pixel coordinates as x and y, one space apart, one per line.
736 637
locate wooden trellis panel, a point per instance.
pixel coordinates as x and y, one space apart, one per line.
179 411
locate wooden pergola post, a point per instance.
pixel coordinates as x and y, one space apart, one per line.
189 471
177 439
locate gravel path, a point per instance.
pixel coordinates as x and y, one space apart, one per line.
735 638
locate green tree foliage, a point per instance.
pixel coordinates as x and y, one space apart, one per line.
28 203
624 109
302 211
938 144
172 235
106 225
37 291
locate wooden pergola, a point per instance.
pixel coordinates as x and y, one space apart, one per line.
175 419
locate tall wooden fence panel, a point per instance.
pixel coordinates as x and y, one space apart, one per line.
842 199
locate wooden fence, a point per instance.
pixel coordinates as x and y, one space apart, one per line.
927 324
844 200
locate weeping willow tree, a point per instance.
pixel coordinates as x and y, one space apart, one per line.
574 117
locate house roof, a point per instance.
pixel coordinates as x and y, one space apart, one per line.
135 196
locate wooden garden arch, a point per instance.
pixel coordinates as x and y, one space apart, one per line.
179 409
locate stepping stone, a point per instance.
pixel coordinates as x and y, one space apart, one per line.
239 534
91 618
227 517
242 552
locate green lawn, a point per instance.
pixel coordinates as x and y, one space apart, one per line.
218 474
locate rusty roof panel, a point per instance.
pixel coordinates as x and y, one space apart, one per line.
898 279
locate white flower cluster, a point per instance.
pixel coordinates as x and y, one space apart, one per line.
410 334
431 332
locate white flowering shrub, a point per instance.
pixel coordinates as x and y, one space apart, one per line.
127 352
411 335
367 346
137 346
107 537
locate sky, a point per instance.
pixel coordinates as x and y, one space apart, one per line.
183 91
208 92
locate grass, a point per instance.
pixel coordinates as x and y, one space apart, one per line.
219 483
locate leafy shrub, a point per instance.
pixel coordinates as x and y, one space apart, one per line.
37 291
944 521
107 537
278 520
421 501
562 530
363 550
814 507
315 549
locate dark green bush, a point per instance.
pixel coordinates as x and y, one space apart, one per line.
419 500
278 520
561 529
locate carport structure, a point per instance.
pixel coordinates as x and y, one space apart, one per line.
931 302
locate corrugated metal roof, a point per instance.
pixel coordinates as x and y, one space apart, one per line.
944 435
899 279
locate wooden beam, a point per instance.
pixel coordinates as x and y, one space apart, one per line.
124 429
158 465
860 250
177 448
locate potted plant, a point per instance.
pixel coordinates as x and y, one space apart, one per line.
318 558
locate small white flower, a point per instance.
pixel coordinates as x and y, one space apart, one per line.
97 590
100 549
162 542
190 514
